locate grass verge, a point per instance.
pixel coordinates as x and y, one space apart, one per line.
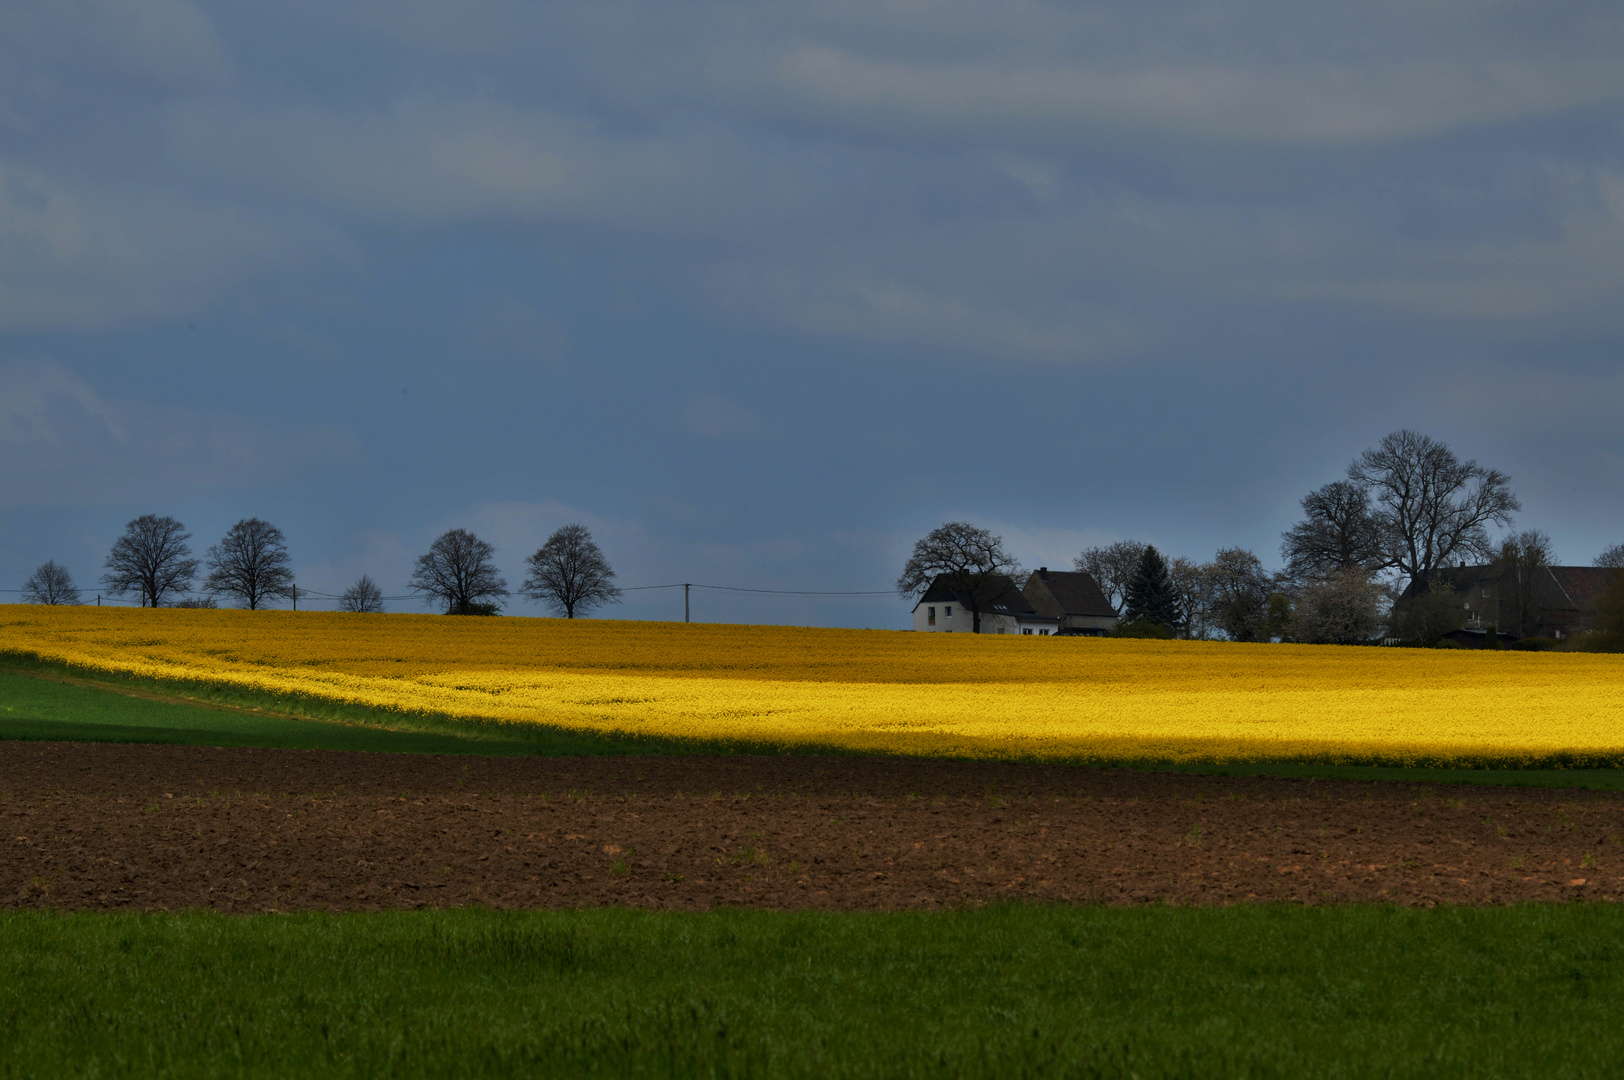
36 704
1005 992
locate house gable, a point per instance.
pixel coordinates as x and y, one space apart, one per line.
1072 597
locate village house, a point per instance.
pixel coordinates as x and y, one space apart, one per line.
1561 600
1051 601
1073 597
946 608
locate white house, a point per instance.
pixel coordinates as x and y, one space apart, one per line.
946 608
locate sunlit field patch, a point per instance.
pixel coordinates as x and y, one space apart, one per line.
931 694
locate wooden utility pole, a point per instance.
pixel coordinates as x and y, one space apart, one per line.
684 601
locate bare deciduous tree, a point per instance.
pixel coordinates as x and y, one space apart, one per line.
1523 560
1193 586
1112 567
251 563
51 584
363 597
458 570
971 560
1612 557
1434 506
151 558
1339 529
1240 589
569 574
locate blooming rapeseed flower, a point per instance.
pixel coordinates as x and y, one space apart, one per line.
959 694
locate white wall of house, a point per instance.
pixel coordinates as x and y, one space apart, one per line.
956 618
944 618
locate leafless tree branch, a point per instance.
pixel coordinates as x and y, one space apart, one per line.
151 558
251 563
51 584
570 574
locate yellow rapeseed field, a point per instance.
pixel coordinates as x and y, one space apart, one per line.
1070 698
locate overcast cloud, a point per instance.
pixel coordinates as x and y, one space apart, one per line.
763 291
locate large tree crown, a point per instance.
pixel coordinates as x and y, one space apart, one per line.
250 563
458 569
152 557
967 554
1436 506
569 573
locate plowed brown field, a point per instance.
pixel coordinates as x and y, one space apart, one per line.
163 827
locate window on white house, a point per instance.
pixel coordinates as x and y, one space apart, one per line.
947 612
930 616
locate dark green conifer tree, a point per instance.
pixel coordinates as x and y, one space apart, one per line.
1151 596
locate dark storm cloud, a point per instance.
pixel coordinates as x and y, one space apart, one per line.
764 290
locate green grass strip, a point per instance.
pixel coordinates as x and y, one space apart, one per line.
1005 992
33 706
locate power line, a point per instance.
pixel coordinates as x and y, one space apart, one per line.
303 592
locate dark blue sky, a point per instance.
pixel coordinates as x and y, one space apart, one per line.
761 292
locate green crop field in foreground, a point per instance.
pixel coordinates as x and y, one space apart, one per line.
35 707
999 992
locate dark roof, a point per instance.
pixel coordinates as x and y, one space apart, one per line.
1007 599
1564 587
1075 591
1583 584
1457 578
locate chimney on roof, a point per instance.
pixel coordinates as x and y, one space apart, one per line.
1043 572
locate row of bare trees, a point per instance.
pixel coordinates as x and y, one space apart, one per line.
153 560
568 574
1234 596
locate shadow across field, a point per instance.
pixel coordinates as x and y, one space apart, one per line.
47 702
40 702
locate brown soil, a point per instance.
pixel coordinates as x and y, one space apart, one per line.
152 827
